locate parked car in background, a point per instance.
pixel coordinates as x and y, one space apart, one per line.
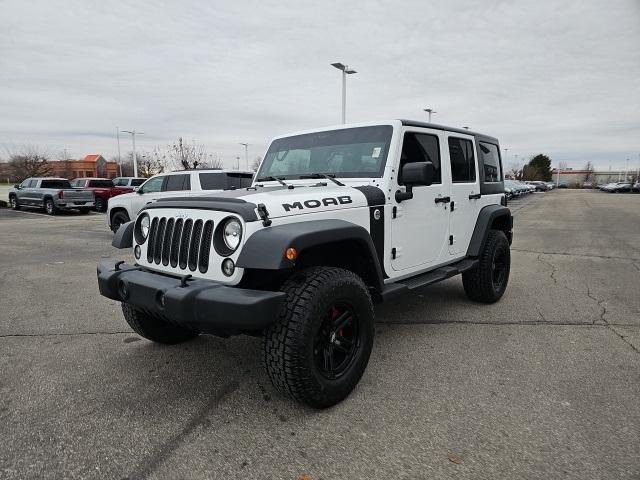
563 185
128 182
551 185
173 184
618 187
538 185
636 187
51 193
103 189
588 185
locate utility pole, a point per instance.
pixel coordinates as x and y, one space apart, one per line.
237 163
135 158
119 160
246 154
430 111
345 71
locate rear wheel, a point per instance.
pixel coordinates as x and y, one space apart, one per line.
155 328
118 219
488 281
50 207
101 205
13 200
318 349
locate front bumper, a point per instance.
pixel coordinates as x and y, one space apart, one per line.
200 305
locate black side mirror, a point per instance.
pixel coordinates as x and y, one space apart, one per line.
413 175
17 187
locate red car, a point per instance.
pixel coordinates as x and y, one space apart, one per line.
103 190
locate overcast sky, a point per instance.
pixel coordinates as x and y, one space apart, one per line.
558 77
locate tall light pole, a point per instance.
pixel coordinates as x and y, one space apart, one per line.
505 154
118 140
345 71
135 159
430 111
246 154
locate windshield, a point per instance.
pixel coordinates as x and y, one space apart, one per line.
350 152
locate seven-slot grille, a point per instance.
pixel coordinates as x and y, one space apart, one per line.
181 243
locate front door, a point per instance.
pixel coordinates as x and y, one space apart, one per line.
465 192
420 230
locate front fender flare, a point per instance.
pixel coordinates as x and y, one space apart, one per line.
266 248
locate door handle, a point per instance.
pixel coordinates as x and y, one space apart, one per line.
475 196
443 200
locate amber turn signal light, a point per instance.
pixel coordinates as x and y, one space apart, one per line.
291 253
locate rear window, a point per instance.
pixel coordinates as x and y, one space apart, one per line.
491 162
176 182
101 183
225 181
55 184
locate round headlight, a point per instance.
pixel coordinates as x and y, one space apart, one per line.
144 226
232 233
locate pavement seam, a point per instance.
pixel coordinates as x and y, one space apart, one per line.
152 464
622 337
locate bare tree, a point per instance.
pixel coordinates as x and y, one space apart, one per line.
30 162
256 163
184 156
589 173
149 164
514 171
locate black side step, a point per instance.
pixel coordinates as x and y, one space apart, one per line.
393 290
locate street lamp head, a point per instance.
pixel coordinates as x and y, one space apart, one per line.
338 65
344 68
349 71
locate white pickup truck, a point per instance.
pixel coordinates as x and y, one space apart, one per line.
123 208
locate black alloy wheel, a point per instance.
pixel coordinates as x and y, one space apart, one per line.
337 341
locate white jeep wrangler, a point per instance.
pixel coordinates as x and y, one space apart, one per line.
336 220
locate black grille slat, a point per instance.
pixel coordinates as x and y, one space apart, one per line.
157 250
175 243
168 239
205 247
184 243
194 245
152 239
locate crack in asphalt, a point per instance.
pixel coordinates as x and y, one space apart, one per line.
600 304
554 269
151 465
10 335
622 337
583 255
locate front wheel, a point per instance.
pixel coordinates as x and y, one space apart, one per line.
118 219
488 281
318 349
13 200
155 328
101 205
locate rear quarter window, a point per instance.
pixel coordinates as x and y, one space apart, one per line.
491 162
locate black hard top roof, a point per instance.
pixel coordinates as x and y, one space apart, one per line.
479 136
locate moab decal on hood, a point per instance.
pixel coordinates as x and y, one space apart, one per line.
315 203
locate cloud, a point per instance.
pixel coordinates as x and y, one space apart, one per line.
559 77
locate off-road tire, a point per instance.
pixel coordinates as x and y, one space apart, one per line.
13 201
85 211
100 205
155 328
50 207
290 344
118 219
479 283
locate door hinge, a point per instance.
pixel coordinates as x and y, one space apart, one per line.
394 212
451 238
393 253
453 205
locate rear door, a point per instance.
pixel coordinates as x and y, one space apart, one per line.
421 227
465 191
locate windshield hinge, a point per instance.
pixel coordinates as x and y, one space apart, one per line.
264 214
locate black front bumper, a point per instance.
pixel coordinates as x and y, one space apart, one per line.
201 305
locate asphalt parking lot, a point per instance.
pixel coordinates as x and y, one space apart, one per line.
543 384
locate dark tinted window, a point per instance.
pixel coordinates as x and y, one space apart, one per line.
136 182
100 183
463 165
55 184
239 180
421 147
175 182
213 181
491 161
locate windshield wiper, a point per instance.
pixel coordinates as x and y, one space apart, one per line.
323 175
271 178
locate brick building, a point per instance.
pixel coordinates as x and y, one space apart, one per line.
91 166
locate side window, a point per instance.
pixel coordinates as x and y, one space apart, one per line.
463 165
213 181
26 183
174 183
421 147
491 162
77 183
153 185
33 183
136 182
239 180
